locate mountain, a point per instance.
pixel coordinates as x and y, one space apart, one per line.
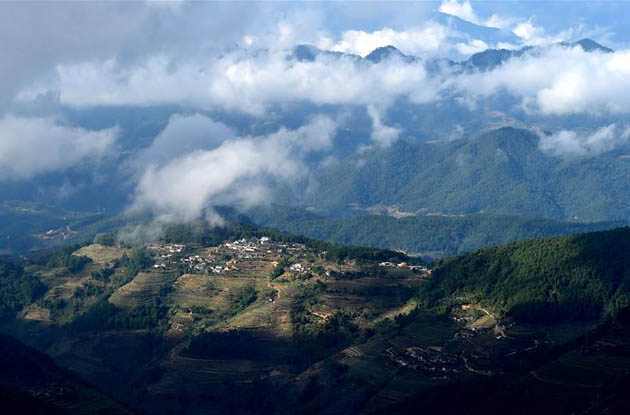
245 320
482 61
489 35
570 278
499 171
590 45
491 58
388 52
426 235
31 382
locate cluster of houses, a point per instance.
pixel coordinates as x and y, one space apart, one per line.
250 248
420 268
60 233
192 263
222 258
427 360
258 247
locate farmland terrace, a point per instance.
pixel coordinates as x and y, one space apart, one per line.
194 327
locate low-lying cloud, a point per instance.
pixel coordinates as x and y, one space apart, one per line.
30 146
382 135
568 143
430 37
238 171
552 81
557 81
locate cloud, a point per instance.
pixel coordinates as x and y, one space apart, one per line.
184 134
429 38
382 135
241 81
462 10
474 46
32 146
571 143
46 34
529 33
499 22
533 35
239 171
556 81
255 75
465 11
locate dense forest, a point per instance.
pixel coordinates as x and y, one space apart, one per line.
543 280
430 235
496 171
17 288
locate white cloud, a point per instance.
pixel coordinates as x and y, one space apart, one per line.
557 81
241 81
474 46
429 38
465 11
382 135
572 143
499 22
527 31
238 171
534 35
462 10
184 134
32 146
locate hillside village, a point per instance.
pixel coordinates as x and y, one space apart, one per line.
261 311
226 257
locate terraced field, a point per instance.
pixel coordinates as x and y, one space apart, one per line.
142 289
221 329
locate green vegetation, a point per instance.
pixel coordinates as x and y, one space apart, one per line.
106 239
431 235
104 315
136 261
17 288
543 280
243 298
340 333
103 274
201 232
63 258
500 171
316 340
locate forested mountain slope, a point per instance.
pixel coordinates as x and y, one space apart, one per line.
543 280
421 234
499 171
213 320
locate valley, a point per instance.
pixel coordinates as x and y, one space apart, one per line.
182 325
315 208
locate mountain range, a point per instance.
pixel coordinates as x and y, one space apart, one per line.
213 320
501 171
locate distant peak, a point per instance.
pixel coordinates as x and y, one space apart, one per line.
589 45
385 52
306 52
